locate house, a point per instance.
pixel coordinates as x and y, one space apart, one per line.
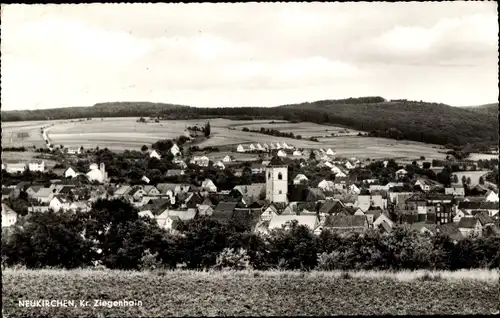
310 221
278 146
300 179
455 190
122 191
175 173
44 195
146 213
423 184
326 185
459 215
401 173
9 216
223 212
175 150
36 166
354 189
201 161
330 152
154 154
257 168
208 185
240 148
59 203
15 167
251 147
269 212
227 159
79 206
219 165
281 153
423 227
145 179
254 191
259 147
349 165
331 207
470 207
491 196
71 172
205 210
383 219
345 223
180 163
31 190
296 153
364 202
470 226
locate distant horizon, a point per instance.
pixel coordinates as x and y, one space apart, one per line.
248 54
243 106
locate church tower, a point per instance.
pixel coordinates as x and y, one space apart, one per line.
277 183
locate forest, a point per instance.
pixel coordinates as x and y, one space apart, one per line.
399 119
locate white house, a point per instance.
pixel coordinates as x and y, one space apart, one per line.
299 179
227 159
330 152
259 147
9 216
459 215
219 165
491 196
269 213
382 218
240 148
278 146
297 153
145 179
154 154
251 147
349 165
201 161
401 173
71 172
281 153
354 189
146 213
326 185
208 185
57 203
340 174
73 151
15 167
175 150
35 166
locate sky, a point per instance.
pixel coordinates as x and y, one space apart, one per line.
248 54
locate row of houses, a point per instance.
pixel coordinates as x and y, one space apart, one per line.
263 147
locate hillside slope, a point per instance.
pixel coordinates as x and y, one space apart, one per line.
401 119
491 109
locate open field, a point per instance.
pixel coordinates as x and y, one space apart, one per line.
126 133
187 293
482 156
25 156
32 128
473 175
305 129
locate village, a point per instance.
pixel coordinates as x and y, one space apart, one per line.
341 201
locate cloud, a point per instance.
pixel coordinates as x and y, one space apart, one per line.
247 53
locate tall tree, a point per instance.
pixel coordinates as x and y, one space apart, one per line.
481 180
207 129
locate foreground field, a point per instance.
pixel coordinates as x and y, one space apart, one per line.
185 293
126 133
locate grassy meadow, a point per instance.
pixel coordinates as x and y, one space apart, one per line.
119 134
249 293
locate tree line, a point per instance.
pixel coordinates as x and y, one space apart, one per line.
113 235
417 121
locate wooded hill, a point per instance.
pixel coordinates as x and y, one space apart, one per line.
400 119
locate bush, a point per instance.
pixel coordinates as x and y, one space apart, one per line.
233 259
149 261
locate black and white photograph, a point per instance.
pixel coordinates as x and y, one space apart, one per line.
250 159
